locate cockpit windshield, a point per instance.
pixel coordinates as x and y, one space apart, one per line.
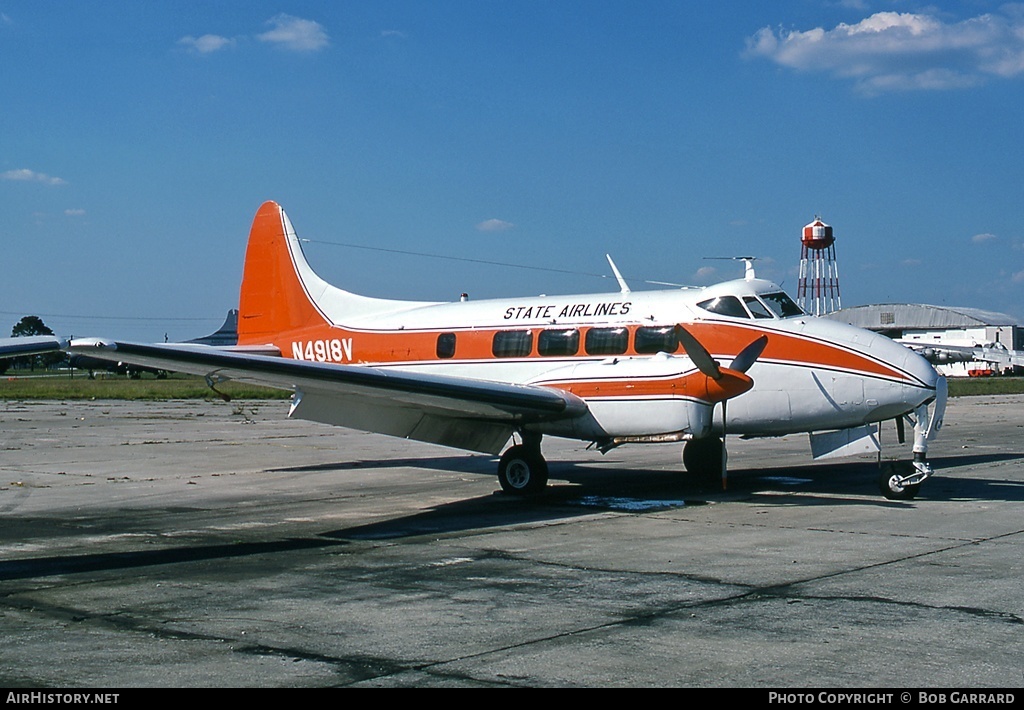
781 304
764 306
725 306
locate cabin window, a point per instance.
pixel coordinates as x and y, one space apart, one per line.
558 342
446 345
512 343
756 308
782 304
606 341
650 340
725 306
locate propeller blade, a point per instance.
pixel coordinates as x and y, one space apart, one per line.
735 375
698 353
748 355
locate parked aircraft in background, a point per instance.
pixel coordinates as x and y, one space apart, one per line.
226 335
612 368
998 357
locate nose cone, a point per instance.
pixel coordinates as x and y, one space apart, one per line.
896 377
921 385
905 359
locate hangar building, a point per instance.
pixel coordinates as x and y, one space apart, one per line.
923 326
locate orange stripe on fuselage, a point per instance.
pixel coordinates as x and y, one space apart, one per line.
692 385
723 340
727 339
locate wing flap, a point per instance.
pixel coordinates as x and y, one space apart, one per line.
383 416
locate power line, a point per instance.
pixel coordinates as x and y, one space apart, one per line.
454 258
485 262
139 319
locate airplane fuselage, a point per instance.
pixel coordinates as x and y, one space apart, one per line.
814 374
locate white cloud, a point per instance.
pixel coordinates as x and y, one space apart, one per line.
1018 277
494 225
295 34
25 175
705 273
206 44
982 238
893 51
74 212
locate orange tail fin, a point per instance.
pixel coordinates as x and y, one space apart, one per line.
273 299
283 299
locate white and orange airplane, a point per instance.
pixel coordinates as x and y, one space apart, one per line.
611 368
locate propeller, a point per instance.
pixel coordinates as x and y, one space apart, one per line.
703 361
748 355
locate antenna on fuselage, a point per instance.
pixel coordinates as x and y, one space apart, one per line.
623 288
748 264
748 267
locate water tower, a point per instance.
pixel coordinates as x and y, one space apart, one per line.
818 289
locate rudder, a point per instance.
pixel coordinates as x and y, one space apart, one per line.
273 299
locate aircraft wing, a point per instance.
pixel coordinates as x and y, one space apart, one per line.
944 354
454 411
33 345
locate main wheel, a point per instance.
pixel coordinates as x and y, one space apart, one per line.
889 484
522 471
703 457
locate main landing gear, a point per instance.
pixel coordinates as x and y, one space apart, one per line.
703 457
522 470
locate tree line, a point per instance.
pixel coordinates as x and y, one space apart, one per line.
27 327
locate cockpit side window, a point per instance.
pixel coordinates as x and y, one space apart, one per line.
782 304
756 308
725 306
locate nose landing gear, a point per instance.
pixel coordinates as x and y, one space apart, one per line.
901 480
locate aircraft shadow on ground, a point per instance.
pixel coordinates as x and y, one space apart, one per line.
829 483
580 489
105 561
453 464
577 490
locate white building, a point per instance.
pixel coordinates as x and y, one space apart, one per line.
951 337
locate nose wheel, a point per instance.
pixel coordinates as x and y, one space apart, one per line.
901 480
522 470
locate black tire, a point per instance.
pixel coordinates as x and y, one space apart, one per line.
522 471
703 457
888 483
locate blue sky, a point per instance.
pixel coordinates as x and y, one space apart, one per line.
137 141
